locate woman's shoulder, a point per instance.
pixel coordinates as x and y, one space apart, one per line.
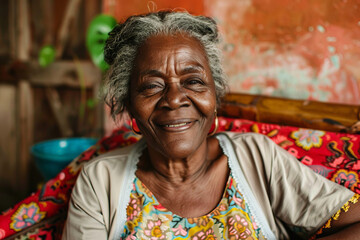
104 176
248 138
114 161
252 146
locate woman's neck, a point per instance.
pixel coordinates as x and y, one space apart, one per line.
189 187
180 171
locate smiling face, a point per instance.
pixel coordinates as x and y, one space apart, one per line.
172 95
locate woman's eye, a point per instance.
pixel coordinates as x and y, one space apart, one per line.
194 81
195 84
150 86
150 89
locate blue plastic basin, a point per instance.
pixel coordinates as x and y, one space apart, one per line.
54 155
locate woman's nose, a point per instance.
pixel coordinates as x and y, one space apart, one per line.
174 97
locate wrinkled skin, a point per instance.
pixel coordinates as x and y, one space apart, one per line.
173 95
173 99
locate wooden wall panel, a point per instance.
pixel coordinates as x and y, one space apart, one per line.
4 36
299 113
25 125
8 136
27 26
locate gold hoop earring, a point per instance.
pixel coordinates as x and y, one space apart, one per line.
132 128
216 126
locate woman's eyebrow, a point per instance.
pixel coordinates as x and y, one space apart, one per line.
152 72
185 70
192 69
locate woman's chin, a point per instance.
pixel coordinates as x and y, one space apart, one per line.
180 152
179 147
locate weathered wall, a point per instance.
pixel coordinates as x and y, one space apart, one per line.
307 49
122 9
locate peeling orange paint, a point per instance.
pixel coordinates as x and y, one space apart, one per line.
122 9
307 49
311 48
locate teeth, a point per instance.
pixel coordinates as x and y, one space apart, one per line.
176 125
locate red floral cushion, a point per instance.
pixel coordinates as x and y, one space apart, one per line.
335 156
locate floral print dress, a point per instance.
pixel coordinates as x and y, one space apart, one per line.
148 219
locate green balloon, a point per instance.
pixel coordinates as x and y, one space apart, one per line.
46 55
96 36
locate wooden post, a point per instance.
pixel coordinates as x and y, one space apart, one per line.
92 9
62 38
43 23
26 128
48 25
8 144
12 29
58 111
25 98
23 40
63 34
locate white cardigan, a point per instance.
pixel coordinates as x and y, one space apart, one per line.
281 192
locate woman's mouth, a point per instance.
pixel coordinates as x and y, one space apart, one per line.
176 126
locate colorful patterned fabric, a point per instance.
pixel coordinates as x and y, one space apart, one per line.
335 156
148 219
335 217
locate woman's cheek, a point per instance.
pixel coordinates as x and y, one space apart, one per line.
205 102
143 107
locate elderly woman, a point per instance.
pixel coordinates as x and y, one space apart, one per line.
180 181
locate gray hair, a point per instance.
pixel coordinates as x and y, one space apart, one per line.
126 38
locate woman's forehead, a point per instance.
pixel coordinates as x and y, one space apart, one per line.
178 50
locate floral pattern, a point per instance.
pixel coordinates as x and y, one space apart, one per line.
134 208
25 216
231 219
205 235
346 178
179 231
238 228
155 229
307 138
